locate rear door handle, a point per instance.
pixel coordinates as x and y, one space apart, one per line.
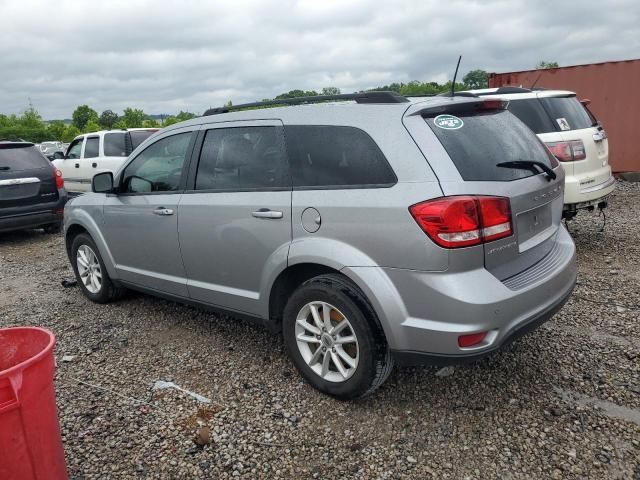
163 211
266 213
94 164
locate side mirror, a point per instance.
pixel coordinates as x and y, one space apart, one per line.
102 183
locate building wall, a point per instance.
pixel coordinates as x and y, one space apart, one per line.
614 91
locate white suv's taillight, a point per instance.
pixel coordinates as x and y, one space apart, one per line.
463 221
567 151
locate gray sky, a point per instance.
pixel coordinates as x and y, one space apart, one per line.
164 56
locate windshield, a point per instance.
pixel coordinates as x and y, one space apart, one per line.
480 141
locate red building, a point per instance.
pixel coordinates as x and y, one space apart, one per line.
614 91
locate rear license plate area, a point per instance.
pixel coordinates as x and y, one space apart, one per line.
532 223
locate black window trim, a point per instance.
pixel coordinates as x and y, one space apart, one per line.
185 166
197 150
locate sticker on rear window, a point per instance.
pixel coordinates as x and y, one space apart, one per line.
563 124
448 122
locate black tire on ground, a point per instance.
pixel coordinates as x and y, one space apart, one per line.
108 291
53 228
375 362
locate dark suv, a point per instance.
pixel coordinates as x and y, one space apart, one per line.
32 191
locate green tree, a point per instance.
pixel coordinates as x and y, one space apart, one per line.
542 65
92 126
56 130
170 120
182 116
108 118
150 123
82 114
476 79
70 132
133 117
330 91
297 93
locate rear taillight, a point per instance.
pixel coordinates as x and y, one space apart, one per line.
567 151
463 221
59 179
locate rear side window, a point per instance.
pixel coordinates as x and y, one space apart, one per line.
532 113
115 144
486 139
335 157
14 158
567 112
242 158
91 147
139 136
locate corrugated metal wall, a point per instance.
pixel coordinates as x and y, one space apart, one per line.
614 91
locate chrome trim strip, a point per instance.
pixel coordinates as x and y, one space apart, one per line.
600 186
19 181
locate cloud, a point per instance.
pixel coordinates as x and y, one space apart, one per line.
164 56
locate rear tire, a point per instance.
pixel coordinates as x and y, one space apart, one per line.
90 271
358 360
53 228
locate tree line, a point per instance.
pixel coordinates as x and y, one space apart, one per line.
31 127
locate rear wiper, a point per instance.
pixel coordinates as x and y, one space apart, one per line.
529 165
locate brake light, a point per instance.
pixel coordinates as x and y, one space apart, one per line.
568 151
463 221
59 179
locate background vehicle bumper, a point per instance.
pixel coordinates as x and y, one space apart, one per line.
33 216
577 196
424 313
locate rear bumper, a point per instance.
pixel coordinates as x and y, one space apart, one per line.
578 196
33 216
424 313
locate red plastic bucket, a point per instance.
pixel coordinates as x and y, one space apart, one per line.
30 442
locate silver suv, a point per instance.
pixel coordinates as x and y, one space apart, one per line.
369 229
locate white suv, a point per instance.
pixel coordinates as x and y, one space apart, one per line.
96 152
572 134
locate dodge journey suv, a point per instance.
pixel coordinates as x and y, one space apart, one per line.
368 229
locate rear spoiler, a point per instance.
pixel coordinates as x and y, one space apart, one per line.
460 108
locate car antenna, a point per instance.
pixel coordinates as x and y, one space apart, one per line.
453 82
536 80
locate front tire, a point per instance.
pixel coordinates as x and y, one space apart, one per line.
333 338
90 271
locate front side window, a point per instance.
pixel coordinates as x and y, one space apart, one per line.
74 149
242 158
115 144
335 157
91 147
159 167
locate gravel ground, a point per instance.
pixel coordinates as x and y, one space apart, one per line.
564 402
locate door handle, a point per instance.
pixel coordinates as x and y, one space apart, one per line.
77 165
163 211
266 213
94 164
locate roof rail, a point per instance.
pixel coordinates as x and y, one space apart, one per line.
505 90
363 97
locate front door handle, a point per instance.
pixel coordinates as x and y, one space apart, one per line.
77 165
163 211
266 213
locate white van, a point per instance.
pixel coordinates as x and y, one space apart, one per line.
572 133
96 152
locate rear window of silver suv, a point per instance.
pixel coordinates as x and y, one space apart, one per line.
482 140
